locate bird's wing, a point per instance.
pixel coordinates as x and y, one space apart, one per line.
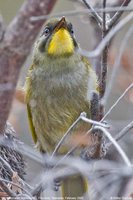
94 95
27 98
85 60
32 128
92 74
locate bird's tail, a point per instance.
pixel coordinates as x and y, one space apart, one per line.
75 186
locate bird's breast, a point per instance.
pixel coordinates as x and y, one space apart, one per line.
56 101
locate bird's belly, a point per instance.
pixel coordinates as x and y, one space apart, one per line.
54 109
53 115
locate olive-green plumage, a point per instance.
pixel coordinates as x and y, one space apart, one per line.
58 89
59 85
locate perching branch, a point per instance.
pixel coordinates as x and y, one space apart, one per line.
105 28
104 56
119 149
83 118
15 47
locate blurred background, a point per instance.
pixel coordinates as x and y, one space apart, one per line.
84 32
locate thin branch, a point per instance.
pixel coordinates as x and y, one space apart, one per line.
81 12
104 17
74 165
14 184
119 149
16 45
3 194
108 37
118 100
28 152
77 164
65 156
65 136
116 66
6 165
93 122
10 170
118 14
122 133
83 118
104 55
94 13
6 189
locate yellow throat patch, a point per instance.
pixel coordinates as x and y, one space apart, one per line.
61 43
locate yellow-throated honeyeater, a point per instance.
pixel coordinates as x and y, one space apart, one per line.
59 85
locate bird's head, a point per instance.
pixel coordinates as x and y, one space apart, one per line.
57 39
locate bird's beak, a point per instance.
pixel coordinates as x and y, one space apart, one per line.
61 24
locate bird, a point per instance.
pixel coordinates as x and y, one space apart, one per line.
59 86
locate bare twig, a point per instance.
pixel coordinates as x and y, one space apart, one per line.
7 189
14 184
104 18
6 165
116 65
108 37
118 100
103 184
83 118
74 165
10 170
28 152
119 149
79 165
104 55
16 45
93 122
65 136
105 50
81 12
94 13
118 14
122 133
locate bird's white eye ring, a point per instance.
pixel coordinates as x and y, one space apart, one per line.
46 31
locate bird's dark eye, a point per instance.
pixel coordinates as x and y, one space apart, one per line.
70 27
46 31
72 31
